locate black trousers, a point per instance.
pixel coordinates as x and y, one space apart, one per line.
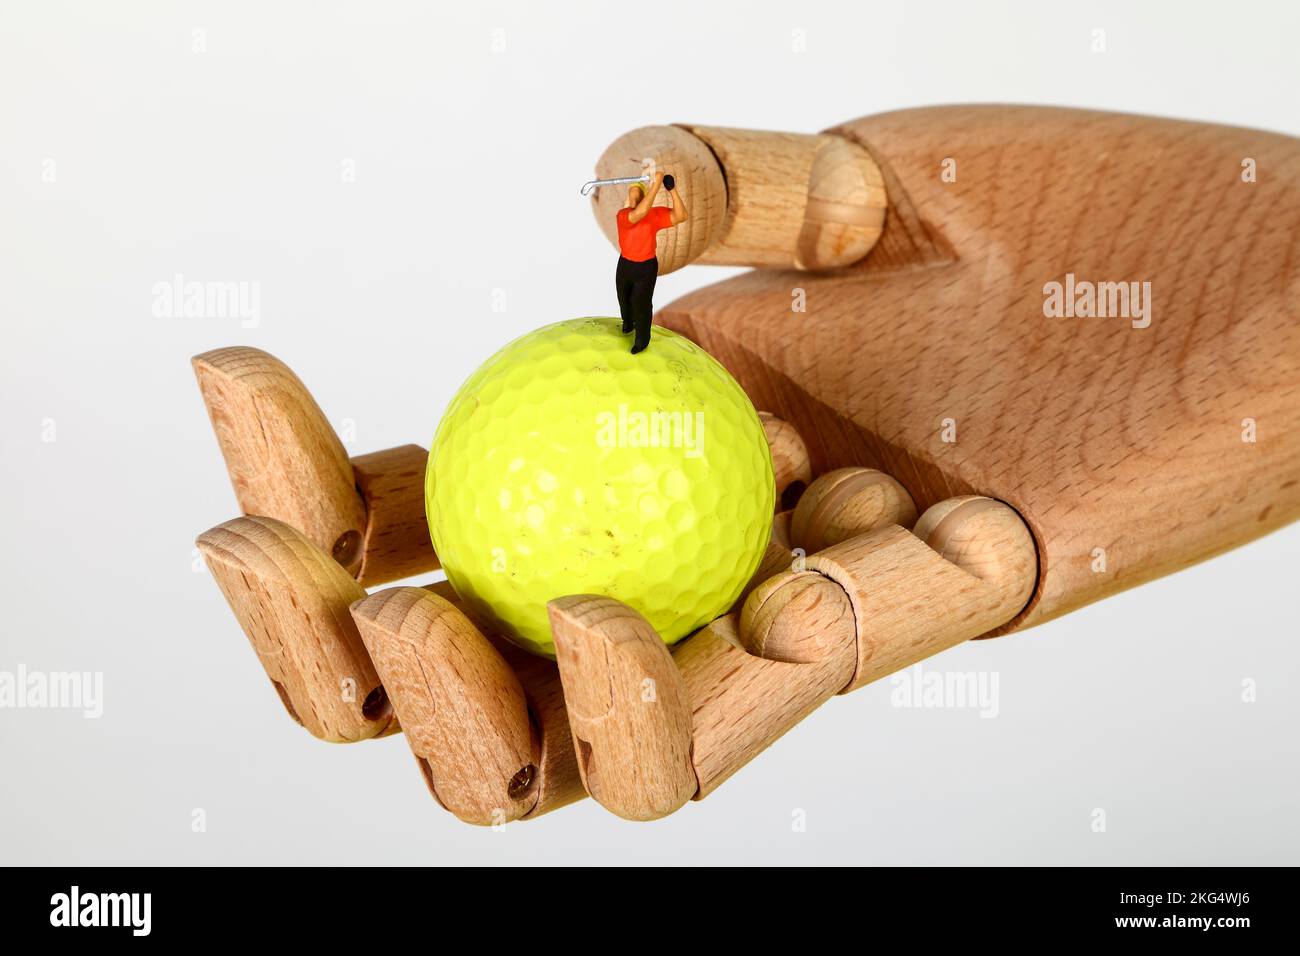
635 284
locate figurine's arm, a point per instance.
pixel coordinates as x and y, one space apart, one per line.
642 209
678 205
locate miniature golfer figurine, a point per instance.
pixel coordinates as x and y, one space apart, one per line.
639 221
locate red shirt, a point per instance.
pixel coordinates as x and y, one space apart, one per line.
636 240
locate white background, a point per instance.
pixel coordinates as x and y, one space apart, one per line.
226 165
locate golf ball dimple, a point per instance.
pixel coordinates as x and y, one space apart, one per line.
565 465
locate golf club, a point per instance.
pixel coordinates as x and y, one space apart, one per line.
597 183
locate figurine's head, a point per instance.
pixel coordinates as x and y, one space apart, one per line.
635 193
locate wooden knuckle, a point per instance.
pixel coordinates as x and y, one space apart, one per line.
986 538
699 177
847 502
791 466
798 616
741 703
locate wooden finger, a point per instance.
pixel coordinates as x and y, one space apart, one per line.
794 200
285 460
741 704
557 779
627 707
463 710
292 601
865 608
910 602
396 542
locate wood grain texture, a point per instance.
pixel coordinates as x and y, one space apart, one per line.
1106 438
846 502
796 616
985 538
558 782
676 151
291 599
910 602
791 469
742 704
794 200
396 542
627 706
284 459
462 708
